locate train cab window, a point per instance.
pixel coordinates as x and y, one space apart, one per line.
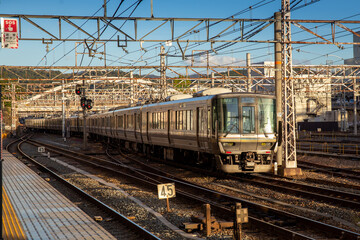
226 112
267 115
248 119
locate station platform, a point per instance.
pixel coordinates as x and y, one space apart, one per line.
33 209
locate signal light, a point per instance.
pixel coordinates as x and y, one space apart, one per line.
78 90
88 104
83 102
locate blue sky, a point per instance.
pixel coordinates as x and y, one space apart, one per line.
32 52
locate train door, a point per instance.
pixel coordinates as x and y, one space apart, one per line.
248 127
135 125
198 125
125 125
169 126
147 127
140 126
202 128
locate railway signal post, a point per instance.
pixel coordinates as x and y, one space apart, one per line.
81 92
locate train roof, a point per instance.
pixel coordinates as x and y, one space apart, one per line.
189 100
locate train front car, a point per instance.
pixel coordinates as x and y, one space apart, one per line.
245 127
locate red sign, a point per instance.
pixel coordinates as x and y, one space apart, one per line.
10 25
9 34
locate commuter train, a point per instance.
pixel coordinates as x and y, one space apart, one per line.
231 132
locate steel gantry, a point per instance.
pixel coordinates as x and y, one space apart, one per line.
287 96
136 29
36 95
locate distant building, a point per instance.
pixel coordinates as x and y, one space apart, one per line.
356 52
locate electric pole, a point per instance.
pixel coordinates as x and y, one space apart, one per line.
163 90
84 118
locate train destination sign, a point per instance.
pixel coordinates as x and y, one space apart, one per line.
9 33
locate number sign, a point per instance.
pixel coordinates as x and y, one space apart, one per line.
166 190
41 149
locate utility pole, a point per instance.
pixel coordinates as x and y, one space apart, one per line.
152 12
1 164
248 64
105 8
84 118
63 110
278 88
355 110
13 109
132 94
163 74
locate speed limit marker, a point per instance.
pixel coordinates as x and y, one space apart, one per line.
41 149
166 190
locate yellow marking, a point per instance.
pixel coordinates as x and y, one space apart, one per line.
11 225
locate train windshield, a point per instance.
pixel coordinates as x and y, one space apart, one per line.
267 115
229 122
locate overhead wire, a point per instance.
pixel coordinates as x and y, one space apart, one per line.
69 35
93 33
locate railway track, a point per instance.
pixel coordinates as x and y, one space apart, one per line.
317 147
128 228
340 172
344 199
283 224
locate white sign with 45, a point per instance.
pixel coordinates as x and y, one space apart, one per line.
166 190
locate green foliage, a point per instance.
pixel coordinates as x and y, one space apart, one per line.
182 83
27 74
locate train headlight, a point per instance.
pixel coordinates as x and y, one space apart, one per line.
228 144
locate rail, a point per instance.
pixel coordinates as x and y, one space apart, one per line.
325 147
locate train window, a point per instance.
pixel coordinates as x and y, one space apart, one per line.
248 119
209 120
108 122
130 121
158 120
162 117
229 121
153 122
179 120
138 121
267 115
189 120
184 120
120 122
